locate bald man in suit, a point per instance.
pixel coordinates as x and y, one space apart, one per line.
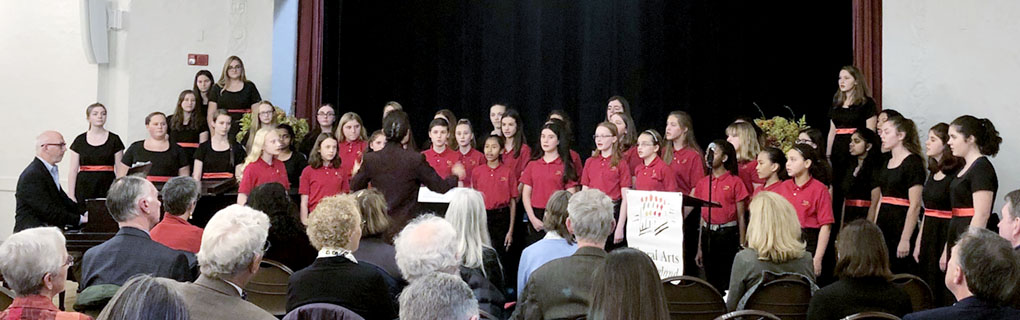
40 200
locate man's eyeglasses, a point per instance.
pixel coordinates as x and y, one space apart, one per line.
265 247
69 261
59 145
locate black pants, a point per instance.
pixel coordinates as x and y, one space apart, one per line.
810 237
717 251
616 217
530 234
498 225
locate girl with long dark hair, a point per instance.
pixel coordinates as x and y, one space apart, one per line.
900 181
544 175
930 248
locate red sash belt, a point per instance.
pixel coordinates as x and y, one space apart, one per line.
158 178
896 201
944 214
238 110
95 168
857 203
217 175
846 130
963 212
188 144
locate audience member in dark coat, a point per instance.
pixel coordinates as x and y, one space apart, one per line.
40 200
373 248
133 203
290 245
336 276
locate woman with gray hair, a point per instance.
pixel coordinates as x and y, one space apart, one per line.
180 195
556 243
145 297
35 266
336 276
466 213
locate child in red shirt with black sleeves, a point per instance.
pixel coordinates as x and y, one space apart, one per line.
722 229
544 175
608 171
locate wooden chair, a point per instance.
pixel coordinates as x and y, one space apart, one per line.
921 297
871 315
786 296
268 288
748 315
692 298
6 298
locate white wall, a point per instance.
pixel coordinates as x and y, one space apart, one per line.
48 82
942 59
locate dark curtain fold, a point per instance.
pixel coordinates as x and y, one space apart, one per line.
713 59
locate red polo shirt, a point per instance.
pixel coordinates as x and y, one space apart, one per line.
544 179
441 162
497 185
727 190
762 187
600 174
177 233
259 172
812 201
320 183
749 174
576 158
657 176
519 162
689 168
350 152
632 157
470 160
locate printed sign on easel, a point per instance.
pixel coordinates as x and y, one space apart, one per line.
655 226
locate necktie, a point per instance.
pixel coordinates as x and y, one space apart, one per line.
56 176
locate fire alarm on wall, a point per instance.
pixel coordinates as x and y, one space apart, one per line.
195 59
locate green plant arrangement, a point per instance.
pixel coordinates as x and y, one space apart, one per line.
781 132
300 125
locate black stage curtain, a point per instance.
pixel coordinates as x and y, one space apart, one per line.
713 59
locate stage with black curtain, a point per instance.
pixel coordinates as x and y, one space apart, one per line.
713 59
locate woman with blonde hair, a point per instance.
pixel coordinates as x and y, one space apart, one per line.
773 244
232 92
262 165
467 215
373 248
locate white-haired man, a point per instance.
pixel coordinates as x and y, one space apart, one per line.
40 199
561 288
34 264
438 296
233 244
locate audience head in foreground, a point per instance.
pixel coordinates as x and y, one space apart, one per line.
862 253
145 297
590 217
466 214
774 230
335 224
427 244
133 202
555 219
982 274
438 296
1009 226
35 262
180 194
627 286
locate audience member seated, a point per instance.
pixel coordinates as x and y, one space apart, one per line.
40 200
557 243
34 265
438 296
864 277
982 273
286 233
146 297
1009 226
180 195
562 288
336 276
233 245
466 213
627 286
132 202
373 248
429 244
773 244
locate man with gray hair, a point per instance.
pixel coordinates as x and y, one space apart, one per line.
561 288
233 245
1009 225
427 244
982 273
40 199
438 296
134 204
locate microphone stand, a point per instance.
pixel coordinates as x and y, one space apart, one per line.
709 157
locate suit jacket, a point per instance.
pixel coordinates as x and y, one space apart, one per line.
132 252
561 288
969 308
849 296
356 286
40 203
215 299
398 173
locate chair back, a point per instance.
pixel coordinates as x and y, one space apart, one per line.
748 315
785 295
692 298
268 288
871 315
921 297
6 298
322 311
